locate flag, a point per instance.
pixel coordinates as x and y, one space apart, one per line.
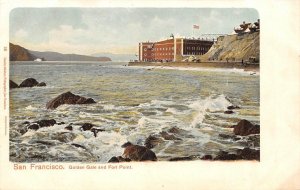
196 26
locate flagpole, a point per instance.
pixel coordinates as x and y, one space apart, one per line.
193 31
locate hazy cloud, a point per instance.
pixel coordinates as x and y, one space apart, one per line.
116 30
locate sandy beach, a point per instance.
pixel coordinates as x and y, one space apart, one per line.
237 65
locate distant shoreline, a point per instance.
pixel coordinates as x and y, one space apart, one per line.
215 64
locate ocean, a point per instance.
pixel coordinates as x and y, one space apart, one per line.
132 104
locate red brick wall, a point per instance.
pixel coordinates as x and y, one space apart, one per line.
147 51
164 50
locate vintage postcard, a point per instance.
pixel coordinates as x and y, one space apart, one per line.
119 90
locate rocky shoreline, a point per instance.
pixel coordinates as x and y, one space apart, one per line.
145 151
136 153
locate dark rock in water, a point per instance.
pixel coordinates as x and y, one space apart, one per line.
61 123
41 84
254 140
138 153
168 136
174 130
152 141
233 107
86 126
46 122
68 98
118 159
222 155
69 127
113 160
245 128
242 154
206 157
34 127
90 127
121 159
95 131
181 158
23 128
249 154
228 112
12 84
30 82
78 146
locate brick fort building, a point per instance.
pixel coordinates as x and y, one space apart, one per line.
174 49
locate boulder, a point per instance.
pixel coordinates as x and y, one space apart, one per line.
244 128
180 132
228 112
115 159
175 130
96 130
36 125
222 155
181 158
46 122
206 157
138 153
69 127
30 82
33 127
233 107
241 154
12 84
152 141
168 136
90 127
86 126
41 84
68 98
249 154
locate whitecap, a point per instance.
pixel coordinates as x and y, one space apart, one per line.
208 104
30 107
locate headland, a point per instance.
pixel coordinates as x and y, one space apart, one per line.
239 50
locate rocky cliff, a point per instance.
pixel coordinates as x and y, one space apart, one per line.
18 53
235 47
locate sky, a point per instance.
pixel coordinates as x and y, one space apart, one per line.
89 31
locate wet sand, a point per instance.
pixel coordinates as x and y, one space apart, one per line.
238 65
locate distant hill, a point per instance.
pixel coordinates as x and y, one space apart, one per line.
116 57
54 56
18 53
